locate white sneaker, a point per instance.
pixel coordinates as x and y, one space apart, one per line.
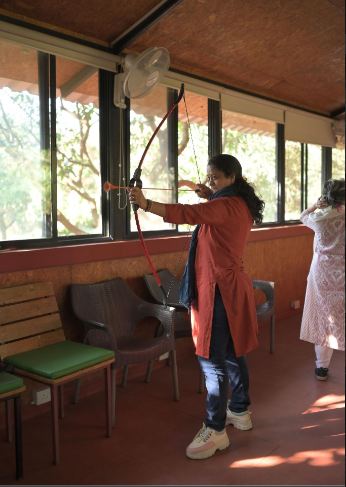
206 442
242 421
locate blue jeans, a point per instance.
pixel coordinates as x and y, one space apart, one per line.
223 369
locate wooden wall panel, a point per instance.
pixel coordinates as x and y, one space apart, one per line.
286 262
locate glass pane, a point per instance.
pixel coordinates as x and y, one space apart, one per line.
253 142
192 147
78 150
25 210
314 173
292 180
338 162
146 113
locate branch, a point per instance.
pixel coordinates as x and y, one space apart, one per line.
69 226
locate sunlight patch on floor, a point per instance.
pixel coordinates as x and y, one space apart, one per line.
326 403
314 458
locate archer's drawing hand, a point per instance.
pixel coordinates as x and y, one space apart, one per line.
136 196
203 191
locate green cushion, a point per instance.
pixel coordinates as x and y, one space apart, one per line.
9 382
59 359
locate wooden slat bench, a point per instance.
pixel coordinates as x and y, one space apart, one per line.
33 345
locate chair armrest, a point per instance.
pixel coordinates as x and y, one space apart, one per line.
92 326
165 314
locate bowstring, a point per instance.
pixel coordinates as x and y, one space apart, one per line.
121 168
191 138
170 287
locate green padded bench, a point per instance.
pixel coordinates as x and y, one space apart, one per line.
33 344
11 388
59 359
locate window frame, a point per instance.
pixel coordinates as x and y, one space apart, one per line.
47 99
115 222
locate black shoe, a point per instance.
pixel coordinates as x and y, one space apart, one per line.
321 373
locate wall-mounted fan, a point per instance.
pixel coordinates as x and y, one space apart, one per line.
140 74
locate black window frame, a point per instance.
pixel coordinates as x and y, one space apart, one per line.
116 222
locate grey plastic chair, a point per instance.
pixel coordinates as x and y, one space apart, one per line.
266 309
171 286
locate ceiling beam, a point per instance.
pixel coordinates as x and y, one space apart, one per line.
70 85
142 24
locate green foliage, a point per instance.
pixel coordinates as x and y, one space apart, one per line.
25 199
256 153
20 159
338 163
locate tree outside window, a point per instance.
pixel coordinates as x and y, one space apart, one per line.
253 142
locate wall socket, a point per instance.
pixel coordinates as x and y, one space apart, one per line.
40 396
295 304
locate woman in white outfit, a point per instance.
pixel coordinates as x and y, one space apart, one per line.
324 308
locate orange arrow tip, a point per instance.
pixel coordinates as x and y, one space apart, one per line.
107 186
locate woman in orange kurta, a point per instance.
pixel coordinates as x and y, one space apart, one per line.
219 294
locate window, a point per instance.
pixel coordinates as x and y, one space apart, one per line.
78 154
252 141
192 146
24 164
146 113
293 180
52 152
314 173
303 177
338 162
49 147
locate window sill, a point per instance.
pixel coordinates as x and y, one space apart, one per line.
20 260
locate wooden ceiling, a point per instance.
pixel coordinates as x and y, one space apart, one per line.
291 51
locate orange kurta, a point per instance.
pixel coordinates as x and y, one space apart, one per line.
225 227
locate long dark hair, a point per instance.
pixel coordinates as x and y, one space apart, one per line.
230 166
334 192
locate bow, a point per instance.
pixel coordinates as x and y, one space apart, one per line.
136 181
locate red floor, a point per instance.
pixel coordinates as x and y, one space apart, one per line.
298 435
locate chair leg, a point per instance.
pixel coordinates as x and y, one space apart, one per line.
114 391
9 420
55 423
272 334
149 371
174 369
18 437
61 401
125 375
108 396
77 392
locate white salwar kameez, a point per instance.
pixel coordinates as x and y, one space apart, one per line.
323 321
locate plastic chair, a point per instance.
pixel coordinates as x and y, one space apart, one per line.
11 388
110 312
171 286
266 310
